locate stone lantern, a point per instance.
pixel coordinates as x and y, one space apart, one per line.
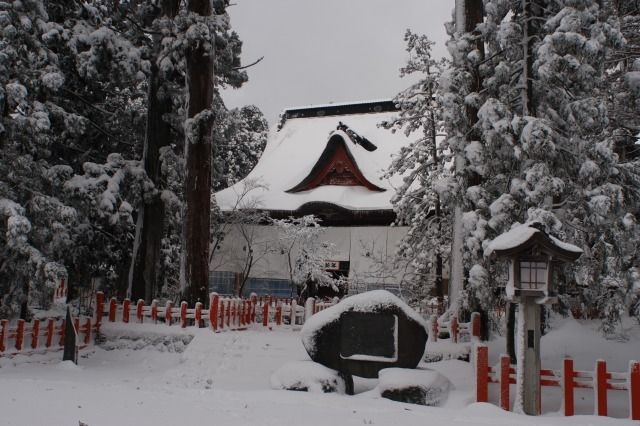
532 255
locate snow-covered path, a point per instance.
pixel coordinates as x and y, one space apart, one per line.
220 379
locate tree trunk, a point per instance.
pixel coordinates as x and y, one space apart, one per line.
24 302
194 268
145 270
244 277
438 284
468 14
144 277
528 39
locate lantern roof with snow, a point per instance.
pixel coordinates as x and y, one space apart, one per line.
529 239
532 253
327 160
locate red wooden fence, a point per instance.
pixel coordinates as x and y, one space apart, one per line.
569 379
224 313
455 328
60 291
240 313
40 336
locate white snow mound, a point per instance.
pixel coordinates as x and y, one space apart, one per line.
435 385
307 375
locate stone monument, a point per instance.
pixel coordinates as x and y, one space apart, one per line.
364 334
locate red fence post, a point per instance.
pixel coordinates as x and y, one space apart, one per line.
434 328
568 386
61 332
35 333
167 312
112 309
154 311
140 311
505 366
600 387
265 313
634 390
475 325
214 299
482 373
4 330
87 331
454 329
222 314
126 309
183 314
99 311
197 314
278 315
19 334
50 331
60 290
233 320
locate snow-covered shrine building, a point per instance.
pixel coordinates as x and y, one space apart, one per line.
328 161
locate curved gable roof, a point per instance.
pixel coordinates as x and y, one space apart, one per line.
293 152
336 166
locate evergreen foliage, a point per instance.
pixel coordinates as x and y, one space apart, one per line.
73 102
557 149
426 179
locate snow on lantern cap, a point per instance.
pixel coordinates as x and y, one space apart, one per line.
529 239
531 251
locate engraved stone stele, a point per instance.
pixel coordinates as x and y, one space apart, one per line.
366 333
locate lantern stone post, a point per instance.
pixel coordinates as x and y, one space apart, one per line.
532 255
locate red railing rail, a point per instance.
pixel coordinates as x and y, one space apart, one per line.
567 378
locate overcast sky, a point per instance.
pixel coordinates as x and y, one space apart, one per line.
322 51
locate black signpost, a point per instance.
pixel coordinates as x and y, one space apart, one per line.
70 352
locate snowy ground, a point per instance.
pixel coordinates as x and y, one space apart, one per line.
165 378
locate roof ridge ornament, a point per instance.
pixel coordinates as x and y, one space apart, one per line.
356 138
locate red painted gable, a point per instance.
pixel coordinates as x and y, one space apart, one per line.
336 166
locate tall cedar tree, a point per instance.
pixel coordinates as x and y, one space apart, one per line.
417 202
194 270
547 149
68 95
